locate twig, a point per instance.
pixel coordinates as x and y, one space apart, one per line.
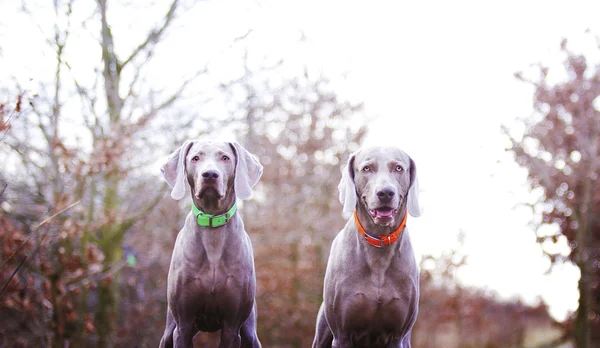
12 275
3 189
55 215
6 124
85 278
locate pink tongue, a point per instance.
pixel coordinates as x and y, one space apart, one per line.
384 213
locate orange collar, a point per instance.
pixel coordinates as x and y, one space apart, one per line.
379 241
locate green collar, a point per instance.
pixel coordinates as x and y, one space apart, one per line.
209 220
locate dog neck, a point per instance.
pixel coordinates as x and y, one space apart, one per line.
377 230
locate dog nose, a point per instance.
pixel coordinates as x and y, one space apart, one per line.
210 174
385 194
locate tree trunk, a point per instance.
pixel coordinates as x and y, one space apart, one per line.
58 340
582 329
108 290
582 322
111 237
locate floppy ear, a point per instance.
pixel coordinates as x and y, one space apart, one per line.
247 171
346 187
413 192
174 170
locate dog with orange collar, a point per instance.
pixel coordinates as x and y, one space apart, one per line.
371 287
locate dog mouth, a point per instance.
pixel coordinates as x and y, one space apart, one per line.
210 193
383 213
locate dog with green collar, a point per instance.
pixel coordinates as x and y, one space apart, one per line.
211 283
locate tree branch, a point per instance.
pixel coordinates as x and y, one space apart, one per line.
84 96
154 36
169 101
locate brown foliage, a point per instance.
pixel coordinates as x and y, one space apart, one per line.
54 296
43 298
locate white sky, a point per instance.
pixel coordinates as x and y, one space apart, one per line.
436 75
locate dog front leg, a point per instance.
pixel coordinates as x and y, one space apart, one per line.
167 339
230 336
248 331
343 342
183 336
323 335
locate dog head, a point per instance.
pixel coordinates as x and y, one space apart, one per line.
383 180
212 171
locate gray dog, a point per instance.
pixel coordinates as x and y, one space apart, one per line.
371 290
211 283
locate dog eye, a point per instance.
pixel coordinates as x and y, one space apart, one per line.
195 158
225 158
366 169
399 168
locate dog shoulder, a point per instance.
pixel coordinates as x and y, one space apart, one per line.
338 242
339 248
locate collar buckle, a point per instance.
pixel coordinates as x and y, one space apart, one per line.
219 218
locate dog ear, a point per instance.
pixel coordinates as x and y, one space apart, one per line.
247 171
346 186
174 170
413 192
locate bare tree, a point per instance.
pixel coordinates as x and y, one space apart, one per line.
92 157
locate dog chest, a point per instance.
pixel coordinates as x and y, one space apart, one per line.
208 301
371 320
